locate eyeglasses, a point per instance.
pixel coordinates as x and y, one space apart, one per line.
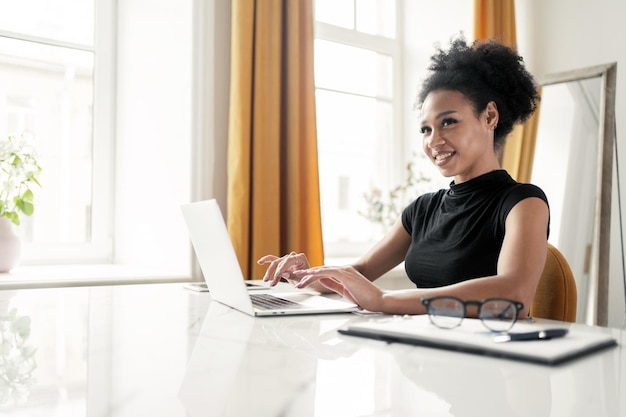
497 314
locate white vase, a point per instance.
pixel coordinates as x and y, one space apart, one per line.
10 245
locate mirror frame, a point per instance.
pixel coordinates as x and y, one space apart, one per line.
598 294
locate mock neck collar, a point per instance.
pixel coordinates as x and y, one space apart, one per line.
480 182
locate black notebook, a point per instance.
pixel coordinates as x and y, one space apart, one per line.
472 337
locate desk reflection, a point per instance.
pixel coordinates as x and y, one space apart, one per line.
246 366
301 366
17 356
161 351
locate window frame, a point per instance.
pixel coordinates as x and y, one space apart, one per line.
99 248
396 150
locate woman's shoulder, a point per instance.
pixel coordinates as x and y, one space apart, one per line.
517 193
520 191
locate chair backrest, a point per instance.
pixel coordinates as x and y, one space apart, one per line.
556 295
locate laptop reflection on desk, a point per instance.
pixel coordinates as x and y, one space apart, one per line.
225 280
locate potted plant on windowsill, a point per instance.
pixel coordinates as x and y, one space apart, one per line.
384 208
18 172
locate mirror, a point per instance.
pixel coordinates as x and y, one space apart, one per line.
573 164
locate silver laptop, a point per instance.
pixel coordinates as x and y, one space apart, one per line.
225 280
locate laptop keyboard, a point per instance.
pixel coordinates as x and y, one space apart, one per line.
271 302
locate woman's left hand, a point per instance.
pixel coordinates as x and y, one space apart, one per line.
346 281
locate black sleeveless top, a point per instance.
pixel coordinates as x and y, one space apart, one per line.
457 233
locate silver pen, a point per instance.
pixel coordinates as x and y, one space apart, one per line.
544 334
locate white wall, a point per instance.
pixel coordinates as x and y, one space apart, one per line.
426 24
561 35
211 98
154 85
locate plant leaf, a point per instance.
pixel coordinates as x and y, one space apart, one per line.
25 206
28 196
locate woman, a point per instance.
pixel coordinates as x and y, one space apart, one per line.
485 236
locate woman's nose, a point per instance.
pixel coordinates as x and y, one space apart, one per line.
436 140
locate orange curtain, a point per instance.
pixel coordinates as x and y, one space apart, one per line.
519 151
273 182
496 19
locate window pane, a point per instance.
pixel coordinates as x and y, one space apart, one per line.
335 12
355 118
355 70
350 145
62 20
376 17
48 92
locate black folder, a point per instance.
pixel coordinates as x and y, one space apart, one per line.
472 337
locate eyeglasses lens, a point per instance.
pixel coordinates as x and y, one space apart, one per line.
498 315
446 312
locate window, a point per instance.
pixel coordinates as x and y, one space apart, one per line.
359 115
53 64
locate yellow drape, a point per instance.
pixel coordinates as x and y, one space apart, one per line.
273 185
496 19
519 150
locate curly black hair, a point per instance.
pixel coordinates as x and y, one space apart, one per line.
484 71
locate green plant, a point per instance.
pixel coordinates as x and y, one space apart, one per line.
384 208
19 170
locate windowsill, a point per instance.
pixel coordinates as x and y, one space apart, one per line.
79 275
50 276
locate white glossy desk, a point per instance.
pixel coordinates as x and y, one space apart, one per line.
160 350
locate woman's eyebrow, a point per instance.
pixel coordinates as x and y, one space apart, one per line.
439 116
445 113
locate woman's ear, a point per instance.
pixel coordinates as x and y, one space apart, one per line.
492 115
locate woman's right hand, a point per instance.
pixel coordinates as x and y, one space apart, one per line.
282 267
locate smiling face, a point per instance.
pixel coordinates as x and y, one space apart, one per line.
457 141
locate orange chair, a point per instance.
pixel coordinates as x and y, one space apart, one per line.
556 294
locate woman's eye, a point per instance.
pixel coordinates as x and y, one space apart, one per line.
424 130
447 122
